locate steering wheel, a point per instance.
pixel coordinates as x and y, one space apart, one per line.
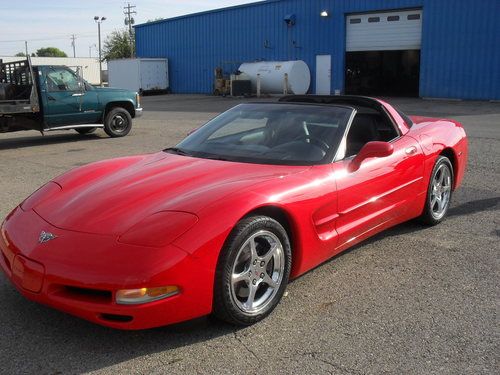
316 141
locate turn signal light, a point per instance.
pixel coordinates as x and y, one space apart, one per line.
144 295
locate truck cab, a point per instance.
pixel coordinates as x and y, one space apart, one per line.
48 98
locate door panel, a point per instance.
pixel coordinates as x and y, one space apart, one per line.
323 74
66 103
380 191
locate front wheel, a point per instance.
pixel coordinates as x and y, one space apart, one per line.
252 272
438 192
117 122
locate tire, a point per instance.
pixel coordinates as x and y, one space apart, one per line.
265 277
84 131
440 185
117 122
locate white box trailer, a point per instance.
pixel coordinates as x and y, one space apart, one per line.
89 65
141 74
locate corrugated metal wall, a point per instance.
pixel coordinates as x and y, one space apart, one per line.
460 54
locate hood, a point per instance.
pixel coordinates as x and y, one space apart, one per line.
111 196
110 89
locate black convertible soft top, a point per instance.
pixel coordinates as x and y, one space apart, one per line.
358 102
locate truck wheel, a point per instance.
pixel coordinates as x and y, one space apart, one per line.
117 122
85 130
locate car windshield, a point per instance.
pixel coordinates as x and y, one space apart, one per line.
265 133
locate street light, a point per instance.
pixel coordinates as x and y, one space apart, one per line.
99 20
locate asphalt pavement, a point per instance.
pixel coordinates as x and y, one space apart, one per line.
412 300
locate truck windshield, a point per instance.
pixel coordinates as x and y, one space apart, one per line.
290 134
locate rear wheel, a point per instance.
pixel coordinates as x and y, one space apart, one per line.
117 122
253 271
439 192
85 130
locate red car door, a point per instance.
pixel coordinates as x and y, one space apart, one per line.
380 191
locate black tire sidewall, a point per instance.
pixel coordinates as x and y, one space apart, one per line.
224 306
109 117
427 216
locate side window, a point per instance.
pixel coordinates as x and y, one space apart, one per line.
363 130
366 128
61 79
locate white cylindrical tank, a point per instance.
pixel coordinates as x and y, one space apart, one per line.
272 76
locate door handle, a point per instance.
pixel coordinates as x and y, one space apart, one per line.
78 94
51 98
411 150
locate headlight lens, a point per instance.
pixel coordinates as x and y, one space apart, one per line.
159 229
45 192
144 295
4 234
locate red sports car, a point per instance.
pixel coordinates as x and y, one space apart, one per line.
218 224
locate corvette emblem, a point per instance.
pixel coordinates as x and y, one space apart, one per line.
46 237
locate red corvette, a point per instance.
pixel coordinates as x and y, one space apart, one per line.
218 224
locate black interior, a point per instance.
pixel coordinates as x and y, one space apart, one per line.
371 122
367 127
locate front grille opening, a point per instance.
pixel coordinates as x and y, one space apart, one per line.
117 318
84 294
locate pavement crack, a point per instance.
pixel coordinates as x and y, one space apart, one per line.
244 346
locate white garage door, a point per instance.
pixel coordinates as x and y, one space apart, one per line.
384 31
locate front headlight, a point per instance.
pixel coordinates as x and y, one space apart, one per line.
159 229
3 233
144 295
46 191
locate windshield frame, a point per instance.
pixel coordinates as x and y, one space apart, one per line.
327 159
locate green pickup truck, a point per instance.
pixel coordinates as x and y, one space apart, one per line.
49 98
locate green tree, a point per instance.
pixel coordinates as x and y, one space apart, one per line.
50 52
20 54
117 45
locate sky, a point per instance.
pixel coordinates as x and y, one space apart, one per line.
51 23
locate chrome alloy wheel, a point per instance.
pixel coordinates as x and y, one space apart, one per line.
119 123
257 272
440 191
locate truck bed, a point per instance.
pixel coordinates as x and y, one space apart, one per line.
18 92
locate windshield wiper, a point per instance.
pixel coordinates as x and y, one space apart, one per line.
177 150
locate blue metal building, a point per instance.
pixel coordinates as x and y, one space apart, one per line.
457 51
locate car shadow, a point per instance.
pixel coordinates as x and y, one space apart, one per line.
42 140
74 345
56 343
472 207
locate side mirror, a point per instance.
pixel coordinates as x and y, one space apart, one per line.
373 149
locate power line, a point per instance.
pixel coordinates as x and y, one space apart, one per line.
64 36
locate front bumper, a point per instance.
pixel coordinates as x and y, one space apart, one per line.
79 273
138 112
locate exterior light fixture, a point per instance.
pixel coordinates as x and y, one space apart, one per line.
324 13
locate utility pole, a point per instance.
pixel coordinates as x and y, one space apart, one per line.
73 38
99 20
128 11
26 47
